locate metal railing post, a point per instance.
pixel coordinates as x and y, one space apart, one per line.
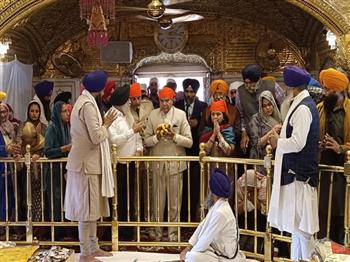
115 232
29 224
347 202
202 179
268 233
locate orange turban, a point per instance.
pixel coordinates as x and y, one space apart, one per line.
135 90
166 92
333 80
220 85
270 78
109 87
219 106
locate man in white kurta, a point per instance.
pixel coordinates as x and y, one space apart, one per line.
293 206
89 172
216 238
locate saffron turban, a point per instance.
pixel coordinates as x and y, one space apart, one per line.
334 80
219 183
295 76
135 90
218 85
95 81
251 72
120 95
166 92
194 83
269 78
43 88
234 85
109 88
218 106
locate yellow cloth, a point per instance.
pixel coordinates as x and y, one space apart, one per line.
333 80
220 85
18 254
346 106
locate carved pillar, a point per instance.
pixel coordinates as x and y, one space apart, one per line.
343 51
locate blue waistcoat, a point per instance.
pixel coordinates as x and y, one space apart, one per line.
303 165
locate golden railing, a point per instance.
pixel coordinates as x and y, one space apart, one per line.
263 239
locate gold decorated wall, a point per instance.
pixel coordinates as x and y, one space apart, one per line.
50 34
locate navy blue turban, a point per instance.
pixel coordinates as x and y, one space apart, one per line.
295 76
95 81
251 72
219 183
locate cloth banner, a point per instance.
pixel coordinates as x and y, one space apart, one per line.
16 80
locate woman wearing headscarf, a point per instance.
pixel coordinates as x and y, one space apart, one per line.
32 134
57 145
263 123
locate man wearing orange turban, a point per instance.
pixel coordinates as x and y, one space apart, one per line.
334 113
218 87
167 133
107 92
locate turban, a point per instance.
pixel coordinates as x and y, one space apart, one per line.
166 92
194 83
95 81
64 97
313 82
3 96
234 85
251 72
220 85
120 96
171 83
219 183
109 88
334 80
135 90
295 76
43 88
219 106
143 87
153 80
269 78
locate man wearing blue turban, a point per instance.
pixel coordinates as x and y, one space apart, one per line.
293 206
216 238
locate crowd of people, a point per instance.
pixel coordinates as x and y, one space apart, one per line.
240 120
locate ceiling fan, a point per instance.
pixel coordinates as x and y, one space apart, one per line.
156 11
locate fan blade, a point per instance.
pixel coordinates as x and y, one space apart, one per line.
172 11
131 8
174 2
187 18
142 17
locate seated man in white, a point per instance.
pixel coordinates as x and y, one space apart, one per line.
216 238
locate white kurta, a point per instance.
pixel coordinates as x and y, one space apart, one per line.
216 235
293 206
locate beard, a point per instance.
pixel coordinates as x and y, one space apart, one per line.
330 102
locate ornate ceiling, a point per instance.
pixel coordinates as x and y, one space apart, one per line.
45 25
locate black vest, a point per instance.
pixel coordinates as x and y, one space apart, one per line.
303 165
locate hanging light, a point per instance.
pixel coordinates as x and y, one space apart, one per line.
4 46
331 39
98 14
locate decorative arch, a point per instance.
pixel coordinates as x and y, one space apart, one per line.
16 10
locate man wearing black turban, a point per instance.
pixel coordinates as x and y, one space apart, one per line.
249 93
193 108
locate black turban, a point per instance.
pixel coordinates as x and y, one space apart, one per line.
120 95
194 83
251 72
64 97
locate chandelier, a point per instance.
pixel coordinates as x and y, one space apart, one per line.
98 14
